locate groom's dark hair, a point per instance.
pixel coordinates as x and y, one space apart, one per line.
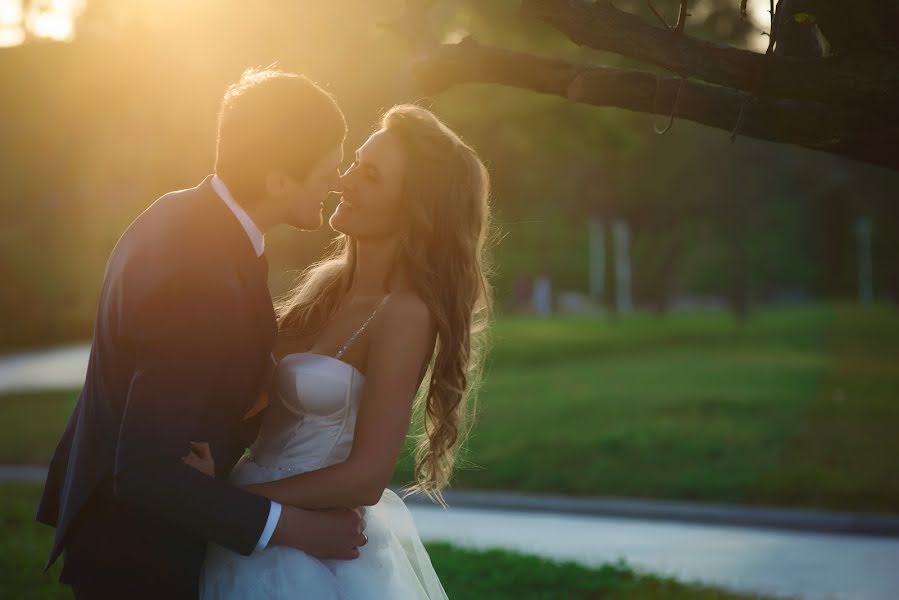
271 120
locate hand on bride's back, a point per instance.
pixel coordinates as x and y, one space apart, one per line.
327 534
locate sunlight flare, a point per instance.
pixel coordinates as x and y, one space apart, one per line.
48 20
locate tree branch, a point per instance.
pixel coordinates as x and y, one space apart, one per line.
682 17
773 12
678 27
873 84
808 124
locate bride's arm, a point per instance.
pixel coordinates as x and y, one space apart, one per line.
402 340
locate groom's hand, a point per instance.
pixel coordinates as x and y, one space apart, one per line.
328 534
200 458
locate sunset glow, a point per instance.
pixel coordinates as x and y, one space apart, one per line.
49 20
55 20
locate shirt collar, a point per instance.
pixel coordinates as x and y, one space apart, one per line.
253 232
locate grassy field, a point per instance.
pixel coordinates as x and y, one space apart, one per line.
31 425
465 574
794 407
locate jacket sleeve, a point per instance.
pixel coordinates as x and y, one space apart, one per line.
188 362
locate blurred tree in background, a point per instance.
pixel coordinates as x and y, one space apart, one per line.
97 127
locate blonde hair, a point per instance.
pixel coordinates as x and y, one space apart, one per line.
445 192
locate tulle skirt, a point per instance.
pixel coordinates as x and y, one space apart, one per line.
392 565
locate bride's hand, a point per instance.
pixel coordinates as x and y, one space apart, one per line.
200 458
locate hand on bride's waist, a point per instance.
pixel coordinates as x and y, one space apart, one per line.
200 458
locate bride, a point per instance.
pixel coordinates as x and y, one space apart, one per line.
401 300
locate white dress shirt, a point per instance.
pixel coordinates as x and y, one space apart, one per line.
258 240
249 226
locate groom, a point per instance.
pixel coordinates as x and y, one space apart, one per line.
181 351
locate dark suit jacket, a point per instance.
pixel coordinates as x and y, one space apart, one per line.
183 336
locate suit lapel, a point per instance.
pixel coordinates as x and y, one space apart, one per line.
252 270
254 276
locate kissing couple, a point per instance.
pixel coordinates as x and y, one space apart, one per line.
227 447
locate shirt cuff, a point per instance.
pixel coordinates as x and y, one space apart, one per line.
274 513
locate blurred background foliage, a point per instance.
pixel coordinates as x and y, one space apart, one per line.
96 127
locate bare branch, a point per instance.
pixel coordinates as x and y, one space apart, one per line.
652 7
678 27
808 124
872 84
655 109
772 37
681 17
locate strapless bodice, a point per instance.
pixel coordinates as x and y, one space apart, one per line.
311 417
309 424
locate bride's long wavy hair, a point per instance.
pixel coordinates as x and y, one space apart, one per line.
445 193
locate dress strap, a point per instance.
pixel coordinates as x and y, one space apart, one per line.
359 331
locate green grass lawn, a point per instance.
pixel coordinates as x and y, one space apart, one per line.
794 407
465 574
31 424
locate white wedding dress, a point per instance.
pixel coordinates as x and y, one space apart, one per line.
309 425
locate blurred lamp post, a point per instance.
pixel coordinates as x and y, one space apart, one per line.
865 268
596 259
621 235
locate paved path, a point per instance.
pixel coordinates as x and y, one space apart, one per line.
16 473
707 513
652 536
807 565
52 369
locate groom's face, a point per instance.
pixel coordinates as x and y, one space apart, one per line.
302 201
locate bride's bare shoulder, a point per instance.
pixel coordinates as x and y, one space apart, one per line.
408 310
